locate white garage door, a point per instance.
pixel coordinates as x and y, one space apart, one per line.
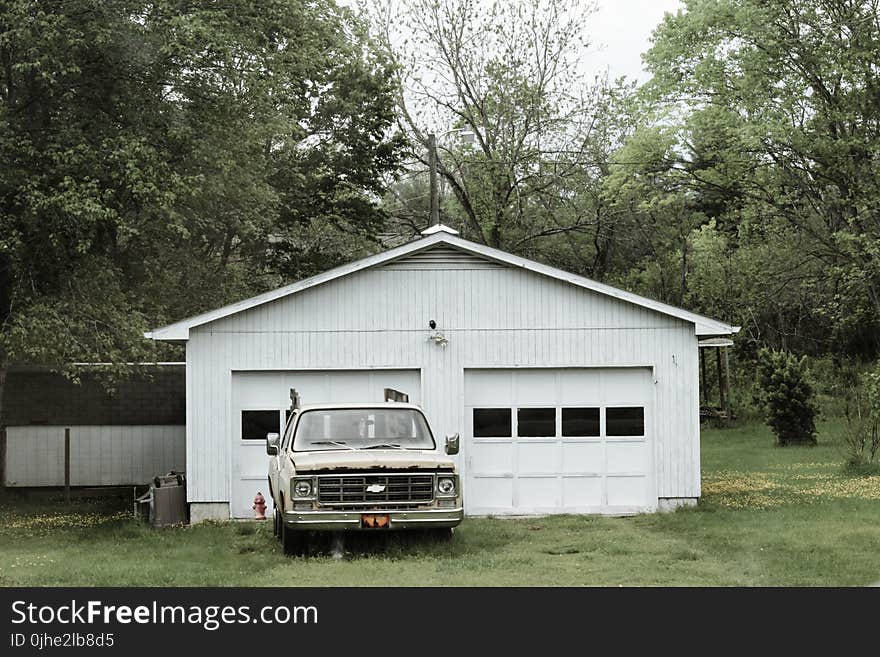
559 441
259 406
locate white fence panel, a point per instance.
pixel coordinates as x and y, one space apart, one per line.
99 455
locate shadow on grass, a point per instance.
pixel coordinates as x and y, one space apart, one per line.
467 539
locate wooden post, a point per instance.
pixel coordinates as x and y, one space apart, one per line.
720 377
2 456
4 368
67 464
726 385
704 391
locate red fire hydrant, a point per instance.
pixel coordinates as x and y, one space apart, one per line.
260 506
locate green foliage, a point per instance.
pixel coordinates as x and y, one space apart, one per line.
786 397
161 159
871 383
772 109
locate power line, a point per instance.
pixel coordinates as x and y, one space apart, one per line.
601 163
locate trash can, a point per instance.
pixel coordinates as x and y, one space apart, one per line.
167 500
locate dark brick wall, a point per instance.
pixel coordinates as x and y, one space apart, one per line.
39 397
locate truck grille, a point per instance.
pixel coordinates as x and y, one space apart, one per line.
372 508
395 489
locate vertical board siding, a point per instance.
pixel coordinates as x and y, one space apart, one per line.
492 317
99 455
494 298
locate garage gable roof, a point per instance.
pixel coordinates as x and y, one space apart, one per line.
179 331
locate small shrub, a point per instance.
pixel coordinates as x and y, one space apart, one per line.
786 397
863 426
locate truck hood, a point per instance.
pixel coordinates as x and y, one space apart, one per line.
374 459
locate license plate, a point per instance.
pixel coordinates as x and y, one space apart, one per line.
375 520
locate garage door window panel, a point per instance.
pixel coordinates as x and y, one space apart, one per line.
256 424
536 422
625 421
493 423
580 422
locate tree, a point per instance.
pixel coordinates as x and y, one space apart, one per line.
792 87
656 212
162 159
504 81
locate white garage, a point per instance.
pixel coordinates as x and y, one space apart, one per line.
571 396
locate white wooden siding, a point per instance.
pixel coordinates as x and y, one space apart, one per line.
405 300
378 318
99 455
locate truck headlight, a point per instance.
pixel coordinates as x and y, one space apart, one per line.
302 488
446 485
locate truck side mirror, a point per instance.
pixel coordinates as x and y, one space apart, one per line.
452 444
272 443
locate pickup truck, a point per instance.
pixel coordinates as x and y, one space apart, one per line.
361 467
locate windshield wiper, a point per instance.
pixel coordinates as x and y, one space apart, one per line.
385 446
334 442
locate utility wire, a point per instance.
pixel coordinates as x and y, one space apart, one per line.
594 163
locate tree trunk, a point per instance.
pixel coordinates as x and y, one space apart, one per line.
683 235
602 244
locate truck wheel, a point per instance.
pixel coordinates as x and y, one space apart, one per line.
292 542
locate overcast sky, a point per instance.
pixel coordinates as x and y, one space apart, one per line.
620 31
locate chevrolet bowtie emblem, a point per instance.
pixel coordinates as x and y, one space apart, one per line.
376 488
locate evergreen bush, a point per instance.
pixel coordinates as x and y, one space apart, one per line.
787 398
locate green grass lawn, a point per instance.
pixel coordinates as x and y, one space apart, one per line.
769 516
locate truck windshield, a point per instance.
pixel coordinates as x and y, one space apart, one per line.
362 428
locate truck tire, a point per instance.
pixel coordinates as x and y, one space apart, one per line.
292 542
276 523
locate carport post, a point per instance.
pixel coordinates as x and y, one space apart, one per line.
703 382
726 384
67 464
2 456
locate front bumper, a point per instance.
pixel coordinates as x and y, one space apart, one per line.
414 519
